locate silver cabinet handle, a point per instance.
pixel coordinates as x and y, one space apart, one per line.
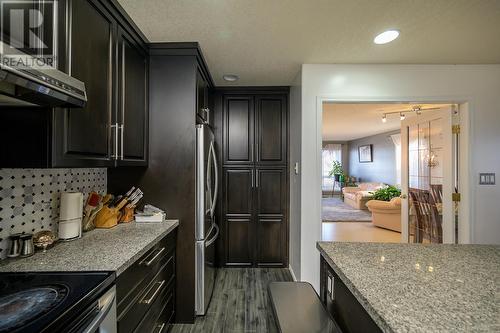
115 143
149 262
159 328
122 128
151 299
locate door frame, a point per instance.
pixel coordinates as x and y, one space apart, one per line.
467 204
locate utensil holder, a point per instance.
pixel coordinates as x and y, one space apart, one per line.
108 217
128 214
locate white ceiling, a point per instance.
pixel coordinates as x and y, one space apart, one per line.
345 122
266 41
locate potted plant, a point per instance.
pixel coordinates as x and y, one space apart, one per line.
336 170
386 193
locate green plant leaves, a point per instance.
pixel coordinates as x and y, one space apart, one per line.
386 193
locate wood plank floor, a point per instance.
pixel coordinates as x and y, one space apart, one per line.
240 302
357 232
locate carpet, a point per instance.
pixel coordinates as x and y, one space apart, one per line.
335 210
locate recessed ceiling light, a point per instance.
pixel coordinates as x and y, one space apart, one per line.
386 37
230 77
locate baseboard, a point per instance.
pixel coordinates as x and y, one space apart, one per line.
292 273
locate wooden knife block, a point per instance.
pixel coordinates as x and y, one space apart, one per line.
128 214
108 217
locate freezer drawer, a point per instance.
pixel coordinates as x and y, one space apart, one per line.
205 275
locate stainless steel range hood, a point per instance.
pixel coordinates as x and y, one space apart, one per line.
37 85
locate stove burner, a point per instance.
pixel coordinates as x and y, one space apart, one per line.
19 308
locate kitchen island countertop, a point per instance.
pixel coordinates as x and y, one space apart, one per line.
112 249
421 288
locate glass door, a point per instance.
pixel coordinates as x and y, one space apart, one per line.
428 213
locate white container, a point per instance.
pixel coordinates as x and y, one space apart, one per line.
70 216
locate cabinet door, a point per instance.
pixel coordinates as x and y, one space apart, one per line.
271 216
271 129
238 207
238 130
83 136
133 109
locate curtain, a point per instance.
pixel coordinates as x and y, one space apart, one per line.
396 139
331 152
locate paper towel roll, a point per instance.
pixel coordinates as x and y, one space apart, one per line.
71 206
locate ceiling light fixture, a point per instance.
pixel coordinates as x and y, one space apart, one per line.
230 77
384 118
386 37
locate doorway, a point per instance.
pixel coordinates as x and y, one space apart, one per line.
364 158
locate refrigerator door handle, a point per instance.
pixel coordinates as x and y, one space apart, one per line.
216 190
209 178
211 241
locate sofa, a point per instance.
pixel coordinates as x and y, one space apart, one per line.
386 214
357 196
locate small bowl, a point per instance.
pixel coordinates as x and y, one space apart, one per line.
44 239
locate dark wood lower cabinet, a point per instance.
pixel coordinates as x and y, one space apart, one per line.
146 290
270 242
341 303
239 242
255 216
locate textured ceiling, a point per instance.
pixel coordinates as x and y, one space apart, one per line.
265 41
344 122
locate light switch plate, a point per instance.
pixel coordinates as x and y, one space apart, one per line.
486 179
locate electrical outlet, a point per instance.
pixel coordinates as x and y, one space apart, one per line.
486 179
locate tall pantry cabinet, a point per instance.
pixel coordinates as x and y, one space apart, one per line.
254 142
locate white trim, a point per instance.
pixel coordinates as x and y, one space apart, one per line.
292 273
467 204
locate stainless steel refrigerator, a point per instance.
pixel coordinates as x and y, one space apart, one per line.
207 230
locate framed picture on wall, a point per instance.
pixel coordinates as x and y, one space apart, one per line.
365 154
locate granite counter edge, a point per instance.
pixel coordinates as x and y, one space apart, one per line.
377 318
135 257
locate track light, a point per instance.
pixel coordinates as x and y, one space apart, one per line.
402 116
384 118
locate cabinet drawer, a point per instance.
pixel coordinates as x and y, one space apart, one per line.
150 296
160 315
133 281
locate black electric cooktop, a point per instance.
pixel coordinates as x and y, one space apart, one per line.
48 301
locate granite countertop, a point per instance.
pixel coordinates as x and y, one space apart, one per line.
422 288
112 249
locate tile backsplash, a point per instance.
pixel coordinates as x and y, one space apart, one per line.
29 198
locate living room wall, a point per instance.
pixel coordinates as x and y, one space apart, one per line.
383 167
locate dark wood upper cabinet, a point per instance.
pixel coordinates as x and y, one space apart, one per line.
98 48
83 135
133 105
271 129
238 130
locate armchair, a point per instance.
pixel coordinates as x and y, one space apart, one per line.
386 214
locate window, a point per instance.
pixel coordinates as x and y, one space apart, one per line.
331 152
396 138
